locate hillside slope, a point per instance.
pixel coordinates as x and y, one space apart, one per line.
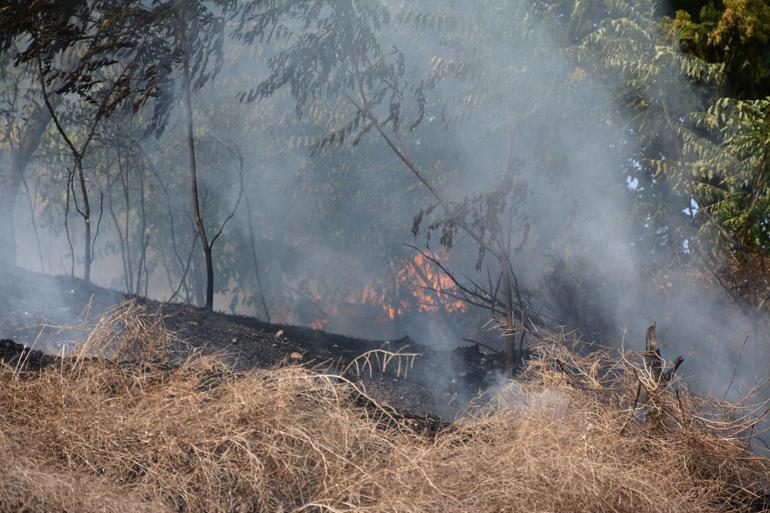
54 313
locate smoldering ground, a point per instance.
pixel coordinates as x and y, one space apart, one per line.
330 220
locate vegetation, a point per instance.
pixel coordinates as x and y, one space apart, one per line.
503 131
380 168
117 427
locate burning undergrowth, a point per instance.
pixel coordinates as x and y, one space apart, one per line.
407 295
119 427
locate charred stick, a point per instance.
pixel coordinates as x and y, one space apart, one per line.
638 392
480 303
482 344
669 375
652 357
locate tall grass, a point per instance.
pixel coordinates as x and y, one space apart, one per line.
128 431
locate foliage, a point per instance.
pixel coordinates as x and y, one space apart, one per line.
733 33
675 100
80 44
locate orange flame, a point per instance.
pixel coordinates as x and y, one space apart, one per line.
422 287
432 289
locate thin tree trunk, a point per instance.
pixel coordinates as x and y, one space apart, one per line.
10 181
67 224
86 215
256 261
125 233
121 240
77 154
142 236
187 98
32 211
511 358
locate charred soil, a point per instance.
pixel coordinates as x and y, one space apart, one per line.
52 314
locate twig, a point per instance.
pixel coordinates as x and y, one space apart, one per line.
735 369
636 402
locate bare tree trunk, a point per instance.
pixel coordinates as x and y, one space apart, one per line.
511 358
142 236
187 98
67 224
77 155
121 239
10 181
32 211
85 213
124 234
13 163
256 261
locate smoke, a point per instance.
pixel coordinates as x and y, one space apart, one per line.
329 223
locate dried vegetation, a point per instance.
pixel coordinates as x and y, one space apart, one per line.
119 428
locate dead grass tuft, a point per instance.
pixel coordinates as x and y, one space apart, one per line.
118 428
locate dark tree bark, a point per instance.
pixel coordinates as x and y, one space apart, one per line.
85 212
143 238
187 99
123 170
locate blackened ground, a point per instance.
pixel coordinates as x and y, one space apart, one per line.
19 356
35 308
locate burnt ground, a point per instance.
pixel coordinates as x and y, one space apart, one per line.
34 307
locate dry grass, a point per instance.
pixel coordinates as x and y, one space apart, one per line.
132 433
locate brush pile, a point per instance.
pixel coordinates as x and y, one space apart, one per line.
118 427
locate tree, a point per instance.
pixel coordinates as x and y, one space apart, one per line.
189 36
339 53
24 120
97 52
196 45
732 33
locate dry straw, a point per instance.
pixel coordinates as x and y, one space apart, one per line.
117 427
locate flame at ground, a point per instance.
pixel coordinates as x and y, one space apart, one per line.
420 287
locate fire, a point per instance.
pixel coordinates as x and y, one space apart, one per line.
418 286
431 289
319 324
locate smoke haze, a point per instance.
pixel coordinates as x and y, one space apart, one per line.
330 225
